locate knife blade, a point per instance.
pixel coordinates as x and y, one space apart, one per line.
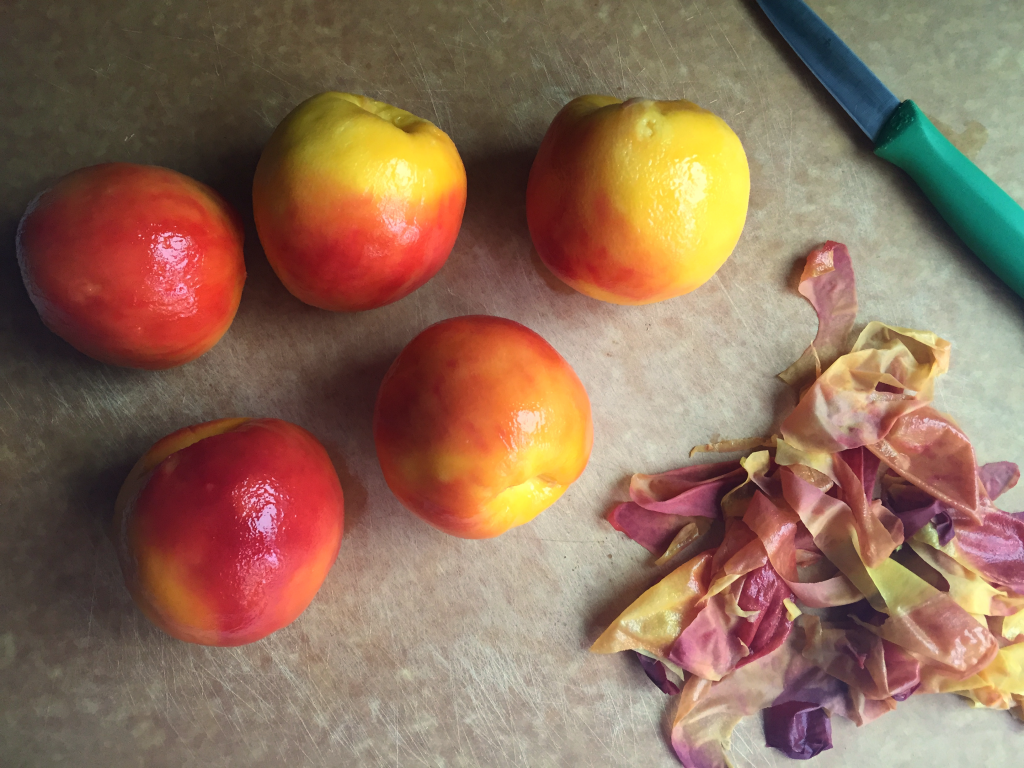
985 217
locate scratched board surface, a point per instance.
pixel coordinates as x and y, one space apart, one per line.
422 649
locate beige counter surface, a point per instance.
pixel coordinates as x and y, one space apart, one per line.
422 649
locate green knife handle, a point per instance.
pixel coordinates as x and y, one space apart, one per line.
983 215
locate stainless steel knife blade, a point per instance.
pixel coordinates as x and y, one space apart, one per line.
846 77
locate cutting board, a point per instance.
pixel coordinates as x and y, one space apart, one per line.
422 649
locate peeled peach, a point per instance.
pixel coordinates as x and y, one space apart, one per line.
226 530
357 203
636 201
133 265
480 425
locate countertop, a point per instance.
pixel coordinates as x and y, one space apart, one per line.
423 649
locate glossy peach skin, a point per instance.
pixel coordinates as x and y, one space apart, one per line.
133 265
357 203
226 530
480 425
638 201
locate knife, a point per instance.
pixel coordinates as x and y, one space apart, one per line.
987 219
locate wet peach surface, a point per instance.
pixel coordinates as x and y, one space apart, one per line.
480 425
227 539
133 265
357 203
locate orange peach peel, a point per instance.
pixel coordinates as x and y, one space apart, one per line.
869 498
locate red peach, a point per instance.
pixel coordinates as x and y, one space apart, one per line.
133 265
226 530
